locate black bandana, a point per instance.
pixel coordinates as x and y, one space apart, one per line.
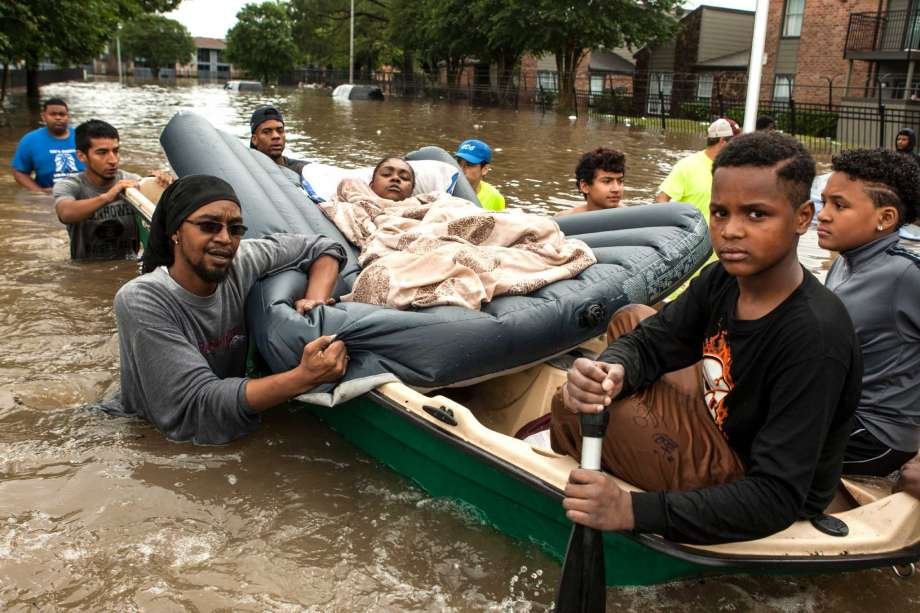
181 199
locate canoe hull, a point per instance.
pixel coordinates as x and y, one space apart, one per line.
518 504
502 496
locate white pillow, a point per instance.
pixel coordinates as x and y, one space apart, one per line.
321 180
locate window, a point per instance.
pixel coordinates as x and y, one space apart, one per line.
792 20
782 87
704 86
659 83
597 84
546 79
220 57
204 55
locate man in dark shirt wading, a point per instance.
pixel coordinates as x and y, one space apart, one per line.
268 137
731 407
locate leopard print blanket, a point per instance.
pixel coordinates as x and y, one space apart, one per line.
435 249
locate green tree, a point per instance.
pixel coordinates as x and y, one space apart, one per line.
66 32
571 29
261 42
17 25
432 29
322 29
159 41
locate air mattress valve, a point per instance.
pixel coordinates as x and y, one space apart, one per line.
593 315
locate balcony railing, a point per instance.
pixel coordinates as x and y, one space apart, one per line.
888 31
891 31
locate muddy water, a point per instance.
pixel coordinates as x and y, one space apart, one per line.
99 513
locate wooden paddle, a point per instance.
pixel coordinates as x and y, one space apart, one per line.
583 587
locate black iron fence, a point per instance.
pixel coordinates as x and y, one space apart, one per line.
861 116
16 77
825 128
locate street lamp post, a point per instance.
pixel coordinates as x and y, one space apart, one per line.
351 46
755 69
118 53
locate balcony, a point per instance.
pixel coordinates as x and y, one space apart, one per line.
893 35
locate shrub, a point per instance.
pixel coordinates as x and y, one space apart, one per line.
612 103
809 123
698 111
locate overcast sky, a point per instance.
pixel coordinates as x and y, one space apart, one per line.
214 17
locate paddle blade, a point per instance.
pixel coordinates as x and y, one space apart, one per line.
583 588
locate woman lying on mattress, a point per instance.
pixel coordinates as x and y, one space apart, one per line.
436 249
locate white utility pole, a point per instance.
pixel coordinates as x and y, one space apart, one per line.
351 46
118 52
755 69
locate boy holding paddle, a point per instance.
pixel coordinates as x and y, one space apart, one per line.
731 407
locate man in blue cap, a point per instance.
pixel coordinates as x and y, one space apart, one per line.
475 159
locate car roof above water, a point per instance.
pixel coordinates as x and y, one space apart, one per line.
243 86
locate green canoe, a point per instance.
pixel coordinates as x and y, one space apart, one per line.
461 445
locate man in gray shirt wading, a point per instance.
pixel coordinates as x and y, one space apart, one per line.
99 220
181 325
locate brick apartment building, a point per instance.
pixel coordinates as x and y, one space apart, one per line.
600 70
207 63
708 56
825 51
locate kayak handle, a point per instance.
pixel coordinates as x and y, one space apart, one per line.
442 414
830 525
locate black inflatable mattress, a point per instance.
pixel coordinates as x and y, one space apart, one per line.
643 252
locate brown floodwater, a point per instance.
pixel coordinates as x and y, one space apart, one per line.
103 514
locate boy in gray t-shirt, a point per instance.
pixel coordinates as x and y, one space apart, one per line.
99 220
110 232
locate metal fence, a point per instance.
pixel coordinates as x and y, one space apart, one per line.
866 119
16 77
823 128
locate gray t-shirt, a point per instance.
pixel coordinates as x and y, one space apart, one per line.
111 232
879 283
183 357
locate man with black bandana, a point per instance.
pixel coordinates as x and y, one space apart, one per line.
181 325
267 127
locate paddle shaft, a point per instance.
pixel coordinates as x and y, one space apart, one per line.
583 587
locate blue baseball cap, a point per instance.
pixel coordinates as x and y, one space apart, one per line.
474 151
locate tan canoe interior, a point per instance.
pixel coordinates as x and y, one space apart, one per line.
489 413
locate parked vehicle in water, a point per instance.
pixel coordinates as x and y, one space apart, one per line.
357 92
243 86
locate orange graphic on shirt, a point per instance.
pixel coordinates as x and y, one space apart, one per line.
717 375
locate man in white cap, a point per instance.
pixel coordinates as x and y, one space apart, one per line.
690 180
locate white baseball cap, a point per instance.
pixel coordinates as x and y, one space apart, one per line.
723 128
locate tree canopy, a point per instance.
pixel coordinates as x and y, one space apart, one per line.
570 30
322 28
262 42
158 41
71 33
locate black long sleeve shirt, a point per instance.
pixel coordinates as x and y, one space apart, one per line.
782 389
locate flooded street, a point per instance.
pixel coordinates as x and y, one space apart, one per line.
103 514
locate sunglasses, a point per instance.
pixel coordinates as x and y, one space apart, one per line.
215 227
